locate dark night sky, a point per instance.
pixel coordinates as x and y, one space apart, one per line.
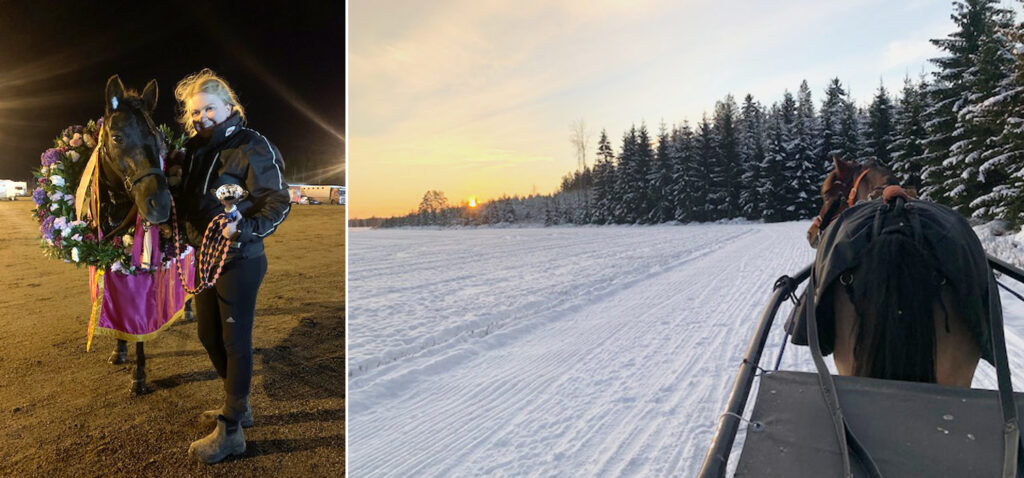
280 57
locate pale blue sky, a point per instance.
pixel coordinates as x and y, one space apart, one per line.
476 98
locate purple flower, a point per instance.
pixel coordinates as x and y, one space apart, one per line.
47 228
50 157
38 196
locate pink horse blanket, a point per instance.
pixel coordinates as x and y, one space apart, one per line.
136 308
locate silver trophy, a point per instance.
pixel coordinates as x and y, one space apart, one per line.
229 195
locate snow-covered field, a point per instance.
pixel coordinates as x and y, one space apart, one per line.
589 351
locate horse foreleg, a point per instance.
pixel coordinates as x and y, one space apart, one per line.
139 386
956 352
120 354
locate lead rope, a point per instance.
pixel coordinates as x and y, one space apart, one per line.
215 245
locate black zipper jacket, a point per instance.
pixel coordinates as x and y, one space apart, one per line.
233 154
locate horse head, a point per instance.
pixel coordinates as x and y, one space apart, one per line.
132 152
847 184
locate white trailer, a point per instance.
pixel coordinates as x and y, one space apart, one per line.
10 190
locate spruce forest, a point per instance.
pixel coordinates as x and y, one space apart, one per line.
957 135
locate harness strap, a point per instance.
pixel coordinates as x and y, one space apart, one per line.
856 184
847 440
1011 429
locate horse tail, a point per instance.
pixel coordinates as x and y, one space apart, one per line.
895 291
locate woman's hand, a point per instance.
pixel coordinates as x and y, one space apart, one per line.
231 229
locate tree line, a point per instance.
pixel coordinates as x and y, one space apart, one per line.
956 135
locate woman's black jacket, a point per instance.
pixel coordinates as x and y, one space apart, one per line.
232 154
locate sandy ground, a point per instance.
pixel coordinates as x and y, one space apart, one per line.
66 412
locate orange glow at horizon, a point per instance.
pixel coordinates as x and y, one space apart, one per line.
472 201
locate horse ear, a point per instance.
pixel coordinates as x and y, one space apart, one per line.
115 94
149 96
840 165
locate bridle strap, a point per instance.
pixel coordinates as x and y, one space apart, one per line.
130 182
856 184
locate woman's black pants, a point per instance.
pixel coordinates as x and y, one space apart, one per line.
224 314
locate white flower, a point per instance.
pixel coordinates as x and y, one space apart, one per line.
54 206
44 170
116 266
60 223
66 233
57 180
76 237
49 242
74 155
74 254
69 197
127 239
56 196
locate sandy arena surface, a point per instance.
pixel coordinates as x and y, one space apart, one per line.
65 412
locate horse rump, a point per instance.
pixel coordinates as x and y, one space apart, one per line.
896 291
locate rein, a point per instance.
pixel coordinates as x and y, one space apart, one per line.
214 245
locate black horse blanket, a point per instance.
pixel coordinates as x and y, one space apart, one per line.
946 238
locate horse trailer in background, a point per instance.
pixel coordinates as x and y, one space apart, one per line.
319 194
10 190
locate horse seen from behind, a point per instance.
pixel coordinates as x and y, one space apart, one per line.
902 285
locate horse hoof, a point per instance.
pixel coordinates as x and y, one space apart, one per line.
117 358
139 388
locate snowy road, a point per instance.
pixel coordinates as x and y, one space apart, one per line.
558 351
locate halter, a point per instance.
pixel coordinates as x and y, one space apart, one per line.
836 206
128 180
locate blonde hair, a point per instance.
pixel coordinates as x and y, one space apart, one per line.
204 81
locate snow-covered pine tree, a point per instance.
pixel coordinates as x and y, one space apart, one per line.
685 188
789 167
850 123
777 157
660 181
604 181
727 169
967 76
909 135
807 174
752 152
1005 111
644 164
698 178
986 116
628 183
880 128
830 142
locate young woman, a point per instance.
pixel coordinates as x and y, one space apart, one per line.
222 150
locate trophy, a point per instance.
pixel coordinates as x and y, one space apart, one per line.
229 195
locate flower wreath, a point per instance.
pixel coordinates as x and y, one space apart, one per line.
62 236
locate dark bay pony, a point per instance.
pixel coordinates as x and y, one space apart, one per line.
903 285
130 180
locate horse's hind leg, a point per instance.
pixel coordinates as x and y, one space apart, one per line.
956 352
139 386
120 354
